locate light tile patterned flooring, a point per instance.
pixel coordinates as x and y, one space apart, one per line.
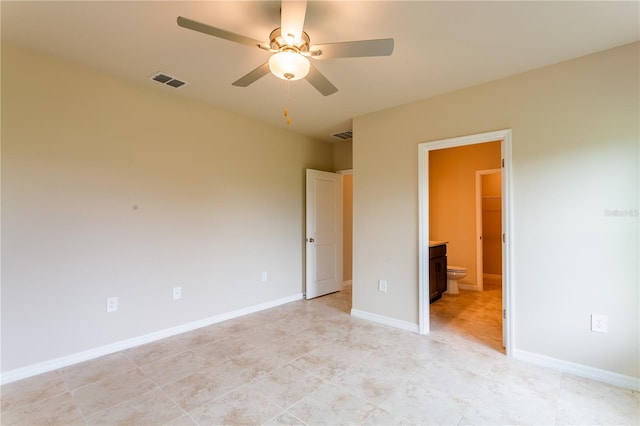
309 362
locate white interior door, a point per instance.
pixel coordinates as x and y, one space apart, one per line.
324 233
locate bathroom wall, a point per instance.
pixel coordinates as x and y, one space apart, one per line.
452 200
492 224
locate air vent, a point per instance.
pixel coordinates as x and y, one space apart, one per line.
345 136
168 80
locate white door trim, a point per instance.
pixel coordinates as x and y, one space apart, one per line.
504 136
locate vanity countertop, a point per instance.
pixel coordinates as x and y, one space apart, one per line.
437 243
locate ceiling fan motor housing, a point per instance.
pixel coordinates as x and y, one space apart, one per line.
280 42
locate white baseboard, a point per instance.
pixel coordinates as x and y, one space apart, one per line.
380 319
580 370
65 361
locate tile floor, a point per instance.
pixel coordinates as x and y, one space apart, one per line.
309 362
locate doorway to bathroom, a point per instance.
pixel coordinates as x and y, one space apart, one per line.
447 212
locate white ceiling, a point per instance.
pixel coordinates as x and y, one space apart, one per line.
439 47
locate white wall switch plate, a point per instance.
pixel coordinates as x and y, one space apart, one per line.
382 286
264 277
177 293
112 304
599 323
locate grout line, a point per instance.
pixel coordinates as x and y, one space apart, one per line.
485 380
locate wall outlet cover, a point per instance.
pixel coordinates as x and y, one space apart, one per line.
112 304
599 323
177 293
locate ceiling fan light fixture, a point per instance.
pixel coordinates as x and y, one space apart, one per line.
289 65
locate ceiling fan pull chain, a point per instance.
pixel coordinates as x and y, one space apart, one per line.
286 102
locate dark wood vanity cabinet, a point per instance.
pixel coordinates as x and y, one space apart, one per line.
437 272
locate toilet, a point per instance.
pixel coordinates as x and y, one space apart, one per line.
454 273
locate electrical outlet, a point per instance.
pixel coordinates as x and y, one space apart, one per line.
599 323
177 293
382 286
264 277
112 304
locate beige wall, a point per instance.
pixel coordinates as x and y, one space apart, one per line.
112 189
452 200
575 160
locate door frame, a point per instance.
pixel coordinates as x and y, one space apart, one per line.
504 136
479 218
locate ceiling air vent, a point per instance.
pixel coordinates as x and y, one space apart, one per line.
345 136
168 80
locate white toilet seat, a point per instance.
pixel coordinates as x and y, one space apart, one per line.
453 268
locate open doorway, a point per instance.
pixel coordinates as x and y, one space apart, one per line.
347 238
504 307
488 226
347 225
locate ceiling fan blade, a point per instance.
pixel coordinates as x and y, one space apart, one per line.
217 32
353 49
320 82
292 15
253 76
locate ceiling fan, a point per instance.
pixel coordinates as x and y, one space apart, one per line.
291 48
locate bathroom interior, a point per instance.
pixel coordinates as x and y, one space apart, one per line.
465 240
